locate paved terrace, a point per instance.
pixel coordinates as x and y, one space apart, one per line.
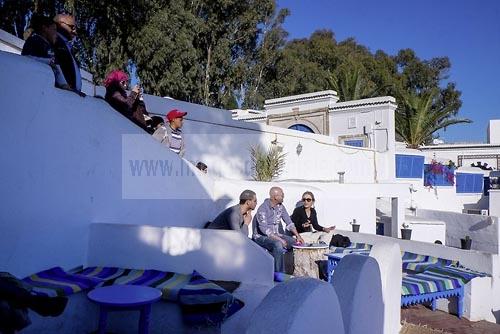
448 323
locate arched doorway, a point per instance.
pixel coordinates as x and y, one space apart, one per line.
301 127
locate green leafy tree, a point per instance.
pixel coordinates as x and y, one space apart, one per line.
264 59
104 29
200 51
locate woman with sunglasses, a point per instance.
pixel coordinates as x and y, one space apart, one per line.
305 216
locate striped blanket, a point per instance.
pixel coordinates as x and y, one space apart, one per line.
437 279
56 282
205 303
419 263
354 247
168 282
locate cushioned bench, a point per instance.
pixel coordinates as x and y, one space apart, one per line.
202 302
437 282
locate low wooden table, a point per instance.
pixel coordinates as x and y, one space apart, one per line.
125 297
305 257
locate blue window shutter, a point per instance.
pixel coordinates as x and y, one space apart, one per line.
469 183
409 166
460 182
354 142
478 183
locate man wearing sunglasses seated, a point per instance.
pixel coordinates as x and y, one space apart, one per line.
66 32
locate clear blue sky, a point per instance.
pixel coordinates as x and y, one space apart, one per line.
466 31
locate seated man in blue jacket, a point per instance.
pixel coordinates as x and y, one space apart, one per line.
267 229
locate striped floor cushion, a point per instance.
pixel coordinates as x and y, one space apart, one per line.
168 282
355 247
205 303
419 263
56 282
459 273
423 283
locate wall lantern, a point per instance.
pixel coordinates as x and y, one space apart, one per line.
299 149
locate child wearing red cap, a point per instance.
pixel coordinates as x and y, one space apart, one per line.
171 135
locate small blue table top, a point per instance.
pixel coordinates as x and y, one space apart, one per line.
124 295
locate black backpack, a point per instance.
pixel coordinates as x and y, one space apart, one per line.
338 240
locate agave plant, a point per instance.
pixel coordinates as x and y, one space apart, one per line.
267 165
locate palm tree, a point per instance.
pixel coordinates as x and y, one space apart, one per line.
417 119
351 84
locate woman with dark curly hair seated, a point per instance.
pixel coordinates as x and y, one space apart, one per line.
131 105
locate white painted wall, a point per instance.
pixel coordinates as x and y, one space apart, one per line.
301 102
223 144
443 198
336 204
373 118
301 305
61 170
10 43
216 254
426 229
68 165
494 131
356 280
483 230
447 152
388 257
494 202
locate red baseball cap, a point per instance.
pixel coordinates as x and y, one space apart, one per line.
175 113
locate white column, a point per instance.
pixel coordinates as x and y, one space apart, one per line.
398 216
495 202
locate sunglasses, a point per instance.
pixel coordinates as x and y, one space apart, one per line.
307 199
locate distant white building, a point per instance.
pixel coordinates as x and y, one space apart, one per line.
362 123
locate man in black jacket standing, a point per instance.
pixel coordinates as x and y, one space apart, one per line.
66 32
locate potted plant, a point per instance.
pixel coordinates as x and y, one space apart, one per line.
406 232
355 225
267 165
466 242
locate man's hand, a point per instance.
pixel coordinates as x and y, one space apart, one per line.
247 218
299 238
